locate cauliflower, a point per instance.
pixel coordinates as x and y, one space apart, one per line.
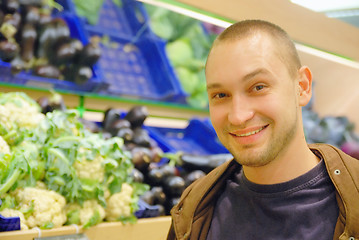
4 147
90 169
21 110
89 214
8 212
119 204
47 207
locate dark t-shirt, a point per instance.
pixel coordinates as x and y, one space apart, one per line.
303 208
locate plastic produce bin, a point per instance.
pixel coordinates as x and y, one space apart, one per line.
138 70
197 138
124 20
28 79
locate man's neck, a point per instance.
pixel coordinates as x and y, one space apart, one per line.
292 163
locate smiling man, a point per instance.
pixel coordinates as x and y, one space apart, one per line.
277 186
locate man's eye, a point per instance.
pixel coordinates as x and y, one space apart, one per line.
258 87
220 95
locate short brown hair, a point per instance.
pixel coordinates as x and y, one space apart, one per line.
287 51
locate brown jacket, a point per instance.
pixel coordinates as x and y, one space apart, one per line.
191 218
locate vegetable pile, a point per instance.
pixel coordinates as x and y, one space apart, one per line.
35 40
188 44
56 172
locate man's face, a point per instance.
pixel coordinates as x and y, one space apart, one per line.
253 100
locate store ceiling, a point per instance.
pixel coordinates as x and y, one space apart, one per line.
345 10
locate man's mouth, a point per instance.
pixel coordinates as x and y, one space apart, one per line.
250 133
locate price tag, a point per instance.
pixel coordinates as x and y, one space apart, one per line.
80 236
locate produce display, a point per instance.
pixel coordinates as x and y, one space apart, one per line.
53 171
188 44
35 39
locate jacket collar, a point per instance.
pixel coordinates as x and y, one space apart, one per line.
205 190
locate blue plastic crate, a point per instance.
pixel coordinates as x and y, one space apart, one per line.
125 20
138 70
197 138
28 79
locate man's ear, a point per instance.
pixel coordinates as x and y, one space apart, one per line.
305 85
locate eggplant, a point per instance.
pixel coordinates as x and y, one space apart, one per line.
110 116
155 177
156 153
27 42
117 125
90 54
159 195
50 35
148 197
137 176
2 15
67 51
90 125
137 115
193 176
141 137
10 6
30 15
82 74
47 71
54 102
141 158
8 50
17 65
205 163
171 203
35 3
174 186
126 134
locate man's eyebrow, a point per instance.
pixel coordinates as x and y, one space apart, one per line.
245 78
213 85
255 73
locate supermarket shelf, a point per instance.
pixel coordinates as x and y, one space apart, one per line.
98 103
144 229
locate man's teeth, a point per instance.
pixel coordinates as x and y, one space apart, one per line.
250 133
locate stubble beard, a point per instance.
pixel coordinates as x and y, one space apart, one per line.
251 157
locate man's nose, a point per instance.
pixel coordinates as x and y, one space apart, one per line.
240 111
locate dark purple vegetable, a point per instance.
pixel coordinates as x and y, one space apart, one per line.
141 137
50 35
82 74
137 115
193 176
156 153
17 65
155 177
159 195
125 133
117 125
174 186
10 6
137 176
90 54
141 158
47 71
54 102
8 50
27 42
30 15
67 51
36 3
351 148
148 197
110 116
